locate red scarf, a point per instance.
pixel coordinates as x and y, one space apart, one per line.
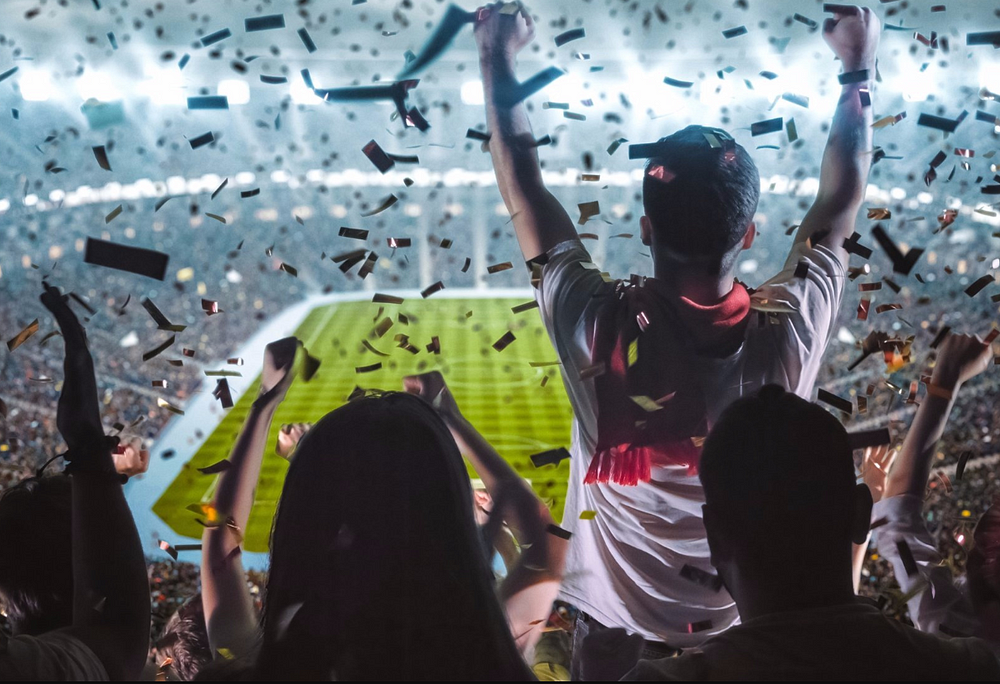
665 335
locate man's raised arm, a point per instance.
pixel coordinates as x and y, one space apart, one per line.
853 34
540 221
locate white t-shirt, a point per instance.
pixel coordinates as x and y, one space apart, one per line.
624 565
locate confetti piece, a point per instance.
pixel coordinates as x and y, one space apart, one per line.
906 556
497 268
869 438
557 531
465 267
201 140
158 350
353 233
694 627
791 131
979 285
397 243
613 147
550 457
219 467
183 63
307 40
22 336
165 546
7 74
164 404
812 24
264 23
245 194
568 36
588 210
431 289
765 127
939 338
144 262
454 20
114 214
533 85
734 32
386 299
368 369
385 204
216 37
852 246
208 102
979 38
504 342
835 401
963 460
901 263
162 322
102 157
939 122
273 80
527 306
677 84
701 578
588 515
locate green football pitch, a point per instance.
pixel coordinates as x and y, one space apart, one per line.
500 392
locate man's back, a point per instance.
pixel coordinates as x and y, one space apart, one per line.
644 535
848 642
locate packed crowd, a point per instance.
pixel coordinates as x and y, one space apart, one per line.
717 526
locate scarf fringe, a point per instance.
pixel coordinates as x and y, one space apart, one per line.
621 465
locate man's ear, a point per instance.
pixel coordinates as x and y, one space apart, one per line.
862 521
750 236
646 230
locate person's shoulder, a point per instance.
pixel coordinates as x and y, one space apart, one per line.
57 655
689 666
963 658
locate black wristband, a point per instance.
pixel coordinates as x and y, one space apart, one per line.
850 77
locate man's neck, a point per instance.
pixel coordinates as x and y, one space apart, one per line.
700 288
754 604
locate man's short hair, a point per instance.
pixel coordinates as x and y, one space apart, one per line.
776 464
185 640
36 575
700 192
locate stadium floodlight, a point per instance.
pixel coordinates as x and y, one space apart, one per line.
36 86
97 86
163 87
303 94
472 93
237 92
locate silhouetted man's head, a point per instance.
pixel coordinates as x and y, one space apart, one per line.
36 573
700 194
781 497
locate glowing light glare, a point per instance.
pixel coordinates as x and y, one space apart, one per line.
163 87
917 88
567 88
302 94
237 92
989 75
97 85
36 86
472 93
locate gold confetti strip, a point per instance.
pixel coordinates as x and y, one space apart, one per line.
164 404
22 336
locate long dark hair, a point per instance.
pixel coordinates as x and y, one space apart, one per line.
377 570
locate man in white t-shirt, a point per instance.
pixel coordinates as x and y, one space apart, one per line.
649 365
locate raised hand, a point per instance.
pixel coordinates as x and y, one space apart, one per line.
289 437
432 388
962 357
79 415
875 466
130 458
853 34
503 34
277 375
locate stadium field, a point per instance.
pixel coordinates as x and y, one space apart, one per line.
497 390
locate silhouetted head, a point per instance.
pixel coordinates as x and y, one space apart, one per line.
377 568
185 641
983 572
36 564
776 469
700 194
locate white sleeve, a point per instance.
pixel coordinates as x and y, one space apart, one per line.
796 312
941 603
566 295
